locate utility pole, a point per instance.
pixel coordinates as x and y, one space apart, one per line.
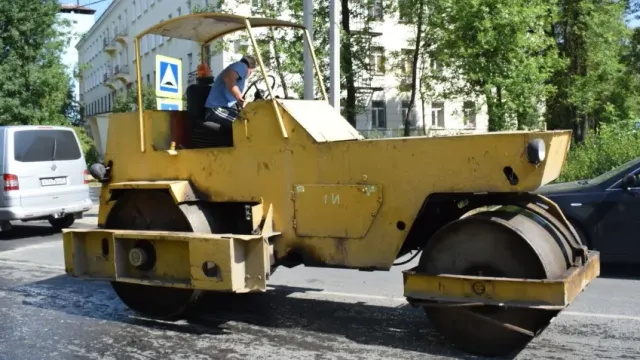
307 18
334 54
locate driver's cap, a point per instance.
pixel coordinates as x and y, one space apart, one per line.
250 60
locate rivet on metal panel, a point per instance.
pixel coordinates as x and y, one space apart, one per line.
364 177
247 276
259 277
478 287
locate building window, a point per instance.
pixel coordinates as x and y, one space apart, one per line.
154 76
190 60
437 114
148 79
407 62
377 60
379 114
412 117
134 12
375 11
179 11
469 110
160 38
436 67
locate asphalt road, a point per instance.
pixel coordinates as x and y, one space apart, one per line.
310 314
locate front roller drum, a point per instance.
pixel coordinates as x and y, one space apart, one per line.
156 210
509 242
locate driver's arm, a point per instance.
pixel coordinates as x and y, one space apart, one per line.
229 78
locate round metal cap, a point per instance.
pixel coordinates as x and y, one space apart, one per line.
137 257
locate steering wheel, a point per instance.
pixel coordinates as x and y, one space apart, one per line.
258 95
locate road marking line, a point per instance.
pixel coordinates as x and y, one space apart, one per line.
403 300
24 263
605 316
357 296
44 245
350 295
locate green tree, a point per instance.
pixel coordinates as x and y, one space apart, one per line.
497 49
33 82
594 87
127 101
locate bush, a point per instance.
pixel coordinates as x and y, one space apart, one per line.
89 149
614 145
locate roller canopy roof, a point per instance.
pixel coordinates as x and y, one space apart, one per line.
205 27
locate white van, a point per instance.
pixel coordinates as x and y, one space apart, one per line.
44 175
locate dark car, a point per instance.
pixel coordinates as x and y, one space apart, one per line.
605 211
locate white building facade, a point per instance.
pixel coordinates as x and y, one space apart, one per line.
107 61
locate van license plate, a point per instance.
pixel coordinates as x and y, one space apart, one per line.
53 181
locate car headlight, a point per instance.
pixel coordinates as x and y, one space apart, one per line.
536 151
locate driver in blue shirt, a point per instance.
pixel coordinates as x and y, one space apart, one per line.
225 98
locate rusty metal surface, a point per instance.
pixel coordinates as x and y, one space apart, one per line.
526 293
341 211
262 167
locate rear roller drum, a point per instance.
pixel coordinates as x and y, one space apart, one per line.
156 210
492 244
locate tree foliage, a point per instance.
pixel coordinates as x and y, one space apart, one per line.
127 101
615 144
594 87
498 49
34 86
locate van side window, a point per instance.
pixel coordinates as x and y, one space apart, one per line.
45 145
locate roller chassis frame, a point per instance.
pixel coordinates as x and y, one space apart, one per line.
256 249
420 289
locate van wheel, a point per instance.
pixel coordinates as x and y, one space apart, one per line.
62 223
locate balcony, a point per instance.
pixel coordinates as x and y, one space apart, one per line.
109 46
108 79
122 73
122 36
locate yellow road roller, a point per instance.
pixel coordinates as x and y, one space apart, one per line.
182 214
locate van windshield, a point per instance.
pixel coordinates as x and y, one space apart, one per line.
45 145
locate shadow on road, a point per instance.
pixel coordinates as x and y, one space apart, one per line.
403 327
23 234
22 231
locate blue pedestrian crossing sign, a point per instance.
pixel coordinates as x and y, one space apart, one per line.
168 77
169 104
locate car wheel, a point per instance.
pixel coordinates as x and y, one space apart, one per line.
62 223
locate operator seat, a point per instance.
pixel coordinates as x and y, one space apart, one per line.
201 136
